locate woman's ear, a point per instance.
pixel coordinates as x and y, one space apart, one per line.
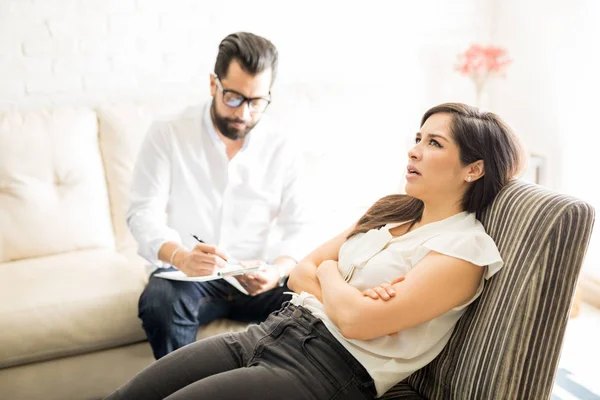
475 171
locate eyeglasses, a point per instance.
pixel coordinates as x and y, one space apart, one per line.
233 99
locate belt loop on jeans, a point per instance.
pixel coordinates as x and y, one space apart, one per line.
298 299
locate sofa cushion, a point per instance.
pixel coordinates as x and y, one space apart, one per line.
69 303
53 196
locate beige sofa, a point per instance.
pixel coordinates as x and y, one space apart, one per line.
70 278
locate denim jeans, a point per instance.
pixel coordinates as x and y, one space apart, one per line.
172 311
291 356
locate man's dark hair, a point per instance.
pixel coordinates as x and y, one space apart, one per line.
254 53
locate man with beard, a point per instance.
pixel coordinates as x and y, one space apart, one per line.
208 188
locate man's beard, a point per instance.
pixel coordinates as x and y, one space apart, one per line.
224 125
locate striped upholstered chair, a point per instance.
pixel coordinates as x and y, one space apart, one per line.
508 343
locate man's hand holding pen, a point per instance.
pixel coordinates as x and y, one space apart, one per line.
202 260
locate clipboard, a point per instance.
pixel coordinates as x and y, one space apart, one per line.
230 270
238 269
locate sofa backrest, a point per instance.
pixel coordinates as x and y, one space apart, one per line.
53 196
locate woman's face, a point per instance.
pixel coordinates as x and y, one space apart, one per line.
434 171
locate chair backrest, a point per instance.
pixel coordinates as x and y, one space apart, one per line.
508 343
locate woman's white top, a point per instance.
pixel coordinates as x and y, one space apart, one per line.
372 258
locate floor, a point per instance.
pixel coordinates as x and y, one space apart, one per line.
578 376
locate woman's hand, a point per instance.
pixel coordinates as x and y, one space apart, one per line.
385 291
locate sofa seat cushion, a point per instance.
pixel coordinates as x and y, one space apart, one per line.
69 303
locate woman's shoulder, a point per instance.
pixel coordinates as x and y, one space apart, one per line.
466 238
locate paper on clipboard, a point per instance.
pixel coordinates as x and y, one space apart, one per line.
228 273
180 276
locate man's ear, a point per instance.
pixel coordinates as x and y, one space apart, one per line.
213 85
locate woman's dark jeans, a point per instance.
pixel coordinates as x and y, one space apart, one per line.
291 355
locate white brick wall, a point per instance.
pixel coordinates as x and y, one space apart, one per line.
362 72
85 51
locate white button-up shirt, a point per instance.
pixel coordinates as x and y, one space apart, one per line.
183 184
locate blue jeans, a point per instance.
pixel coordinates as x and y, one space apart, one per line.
172 311
290 356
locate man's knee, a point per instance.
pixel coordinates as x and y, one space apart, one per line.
159 301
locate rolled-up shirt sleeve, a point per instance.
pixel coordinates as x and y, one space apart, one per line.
149 194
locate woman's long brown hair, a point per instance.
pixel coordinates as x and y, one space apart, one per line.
479 136
389 209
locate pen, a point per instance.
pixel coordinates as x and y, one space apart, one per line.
229 260
197 238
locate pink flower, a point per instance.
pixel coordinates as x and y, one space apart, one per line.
479 62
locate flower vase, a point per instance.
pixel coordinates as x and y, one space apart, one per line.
479 92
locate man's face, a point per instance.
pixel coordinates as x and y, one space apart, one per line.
235 123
